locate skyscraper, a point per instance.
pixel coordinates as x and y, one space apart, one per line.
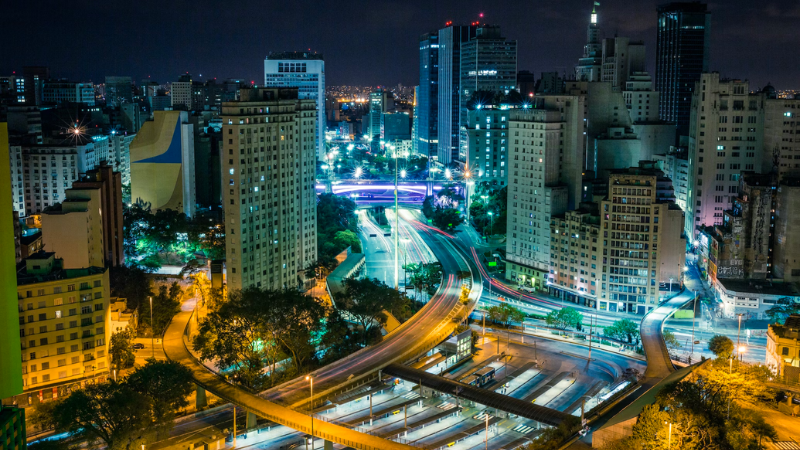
681 56
590 65
305 71
268 165
450 40
428 98
118 90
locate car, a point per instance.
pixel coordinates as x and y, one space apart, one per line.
138 345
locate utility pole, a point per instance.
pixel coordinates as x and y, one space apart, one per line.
694 313
152 330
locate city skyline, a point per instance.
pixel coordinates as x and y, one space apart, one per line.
746 43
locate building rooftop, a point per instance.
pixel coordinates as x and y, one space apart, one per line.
790 328
295 55
760 287
42 267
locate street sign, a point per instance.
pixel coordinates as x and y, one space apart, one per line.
491 264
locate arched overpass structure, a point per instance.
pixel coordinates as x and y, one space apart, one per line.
431 325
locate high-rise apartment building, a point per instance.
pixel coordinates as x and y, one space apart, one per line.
181 93
269 166
56 92
486 149
34 78
786 240
488 63
427 104
306 72
576 256
10 356
546 148
621 59
682 54
451 38
63 325
109 182
642 239
640 98
781 135
725 138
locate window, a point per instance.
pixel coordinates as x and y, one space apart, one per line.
784 352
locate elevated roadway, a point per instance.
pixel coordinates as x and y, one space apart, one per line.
428 327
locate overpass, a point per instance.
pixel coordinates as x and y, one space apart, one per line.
431 325
420 188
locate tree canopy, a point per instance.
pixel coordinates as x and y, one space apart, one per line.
623 330
337 227
564 318
721 346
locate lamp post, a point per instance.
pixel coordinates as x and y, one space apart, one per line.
311 409
491 222
669 436
396 230
739 329
152 330
694 313
469 182
405 262
742 349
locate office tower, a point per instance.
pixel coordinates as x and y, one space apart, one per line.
682 54
395 127
108 181
786 241
551 83
781 149
33 78
74 229
162 163
61 91
269 166
449 99
25 121
725 138
415 124
63 326
181 93
621 58
428 95
119 154
306 72
489 64
10 356
640 98
643 241
590 65
118 90
676 168
34 191
380 101
576 256
132 117
487 141
546 147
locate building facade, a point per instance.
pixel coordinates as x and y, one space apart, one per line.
682 54
181 93
109 183
781 136
56 92
162 163
726 137
269 166
74 228
486 149
306 72
576 256
63 324
451 38
427 104
783 349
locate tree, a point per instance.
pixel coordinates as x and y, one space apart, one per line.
623 330
131 283
110 412
564 318
335 214
651 427
782 310
122 355
761 429
427 207
505 314
166 384
347 238
447 219
213 242
671 341
721 346
165 305
365 299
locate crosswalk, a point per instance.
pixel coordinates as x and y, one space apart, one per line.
482 416
447 406
786 445
411 395
524 429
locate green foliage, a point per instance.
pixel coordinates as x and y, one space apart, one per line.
447 197
671 341
447 219
166 384
496 202
166 304
784 308
505 314
335 214
427 207
366 300
424 277
122 355
255 329
131 283
623 330
721 346
110 413
564 318
553 438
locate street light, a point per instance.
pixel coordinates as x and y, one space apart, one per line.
152 330
669 436
311 409
405 261
742 349
491 222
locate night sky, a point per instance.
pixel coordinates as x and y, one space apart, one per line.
364 42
